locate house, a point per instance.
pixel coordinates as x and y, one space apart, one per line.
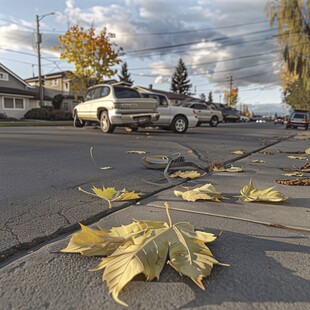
16 95
58 84
174 98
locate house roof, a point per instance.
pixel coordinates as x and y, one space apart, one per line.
3 67
33 93
49 76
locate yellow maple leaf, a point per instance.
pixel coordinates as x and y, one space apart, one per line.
230 169
205 192
110 194
192 174
238 152
251 194
297 157
258 161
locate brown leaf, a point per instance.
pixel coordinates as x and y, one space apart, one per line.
295 182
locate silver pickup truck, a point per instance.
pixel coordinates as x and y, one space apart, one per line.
115 105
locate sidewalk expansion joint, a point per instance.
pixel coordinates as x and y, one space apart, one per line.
274 225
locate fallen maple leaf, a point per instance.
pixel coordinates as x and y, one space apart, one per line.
230 169
192 174
250 194
142 247
297 157
110 194
307 151
136 152
205 192
293 174
258 161
238 152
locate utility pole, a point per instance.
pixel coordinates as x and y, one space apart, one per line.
230 89
38 42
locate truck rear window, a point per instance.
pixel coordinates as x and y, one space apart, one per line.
122 92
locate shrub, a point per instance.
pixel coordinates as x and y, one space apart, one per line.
60 115
3 116
48 108
37 113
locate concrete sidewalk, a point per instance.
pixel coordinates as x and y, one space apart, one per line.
269 267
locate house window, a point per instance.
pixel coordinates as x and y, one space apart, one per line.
10 103
4 76
66 86
54 82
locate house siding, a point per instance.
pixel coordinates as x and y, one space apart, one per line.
16 113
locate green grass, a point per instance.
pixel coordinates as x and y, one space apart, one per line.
23 123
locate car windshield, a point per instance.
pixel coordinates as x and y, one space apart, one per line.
123 92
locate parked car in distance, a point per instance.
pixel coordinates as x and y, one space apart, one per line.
175 118
113 105
278 120
205 114
298 118
230 115
244 119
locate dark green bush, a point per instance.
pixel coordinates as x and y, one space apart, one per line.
38 113
48 108
61 115
3 116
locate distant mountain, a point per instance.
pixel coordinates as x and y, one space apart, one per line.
269 109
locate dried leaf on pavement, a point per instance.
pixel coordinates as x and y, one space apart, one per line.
238 152
258 161
136 152
205 192
192 174
143 247
297 157
295 182
307 151
230 169
266 153
106 168
251 194
110 194
293 174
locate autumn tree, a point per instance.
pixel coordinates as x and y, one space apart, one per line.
180 83
292 18
125 75
93 55
231 97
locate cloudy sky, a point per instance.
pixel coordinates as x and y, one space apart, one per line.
215 39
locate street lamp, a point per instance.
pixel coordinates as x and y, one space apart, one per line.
38 42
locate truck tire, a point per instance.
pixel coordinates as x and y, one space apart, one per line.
105 123
214 121
179 124
77 123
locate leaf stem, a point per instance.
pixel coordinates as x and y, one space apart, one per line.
168 214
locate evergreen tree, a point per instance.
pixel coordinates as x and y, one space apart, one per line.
210 98
203 97
125 76
180 84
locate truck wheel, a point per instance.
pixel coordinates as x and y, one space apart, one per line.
179 124
214 121
77 123
105 123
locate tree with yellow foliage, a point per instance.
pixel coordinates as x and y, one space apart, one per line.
93 55
231 97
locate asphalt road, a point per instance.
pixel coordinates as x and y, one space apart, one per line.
41 169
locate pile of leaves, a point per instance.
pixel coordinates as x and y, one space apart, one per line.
295 182
143 247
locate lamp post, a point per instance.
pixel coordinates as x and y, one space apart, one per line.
38 42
